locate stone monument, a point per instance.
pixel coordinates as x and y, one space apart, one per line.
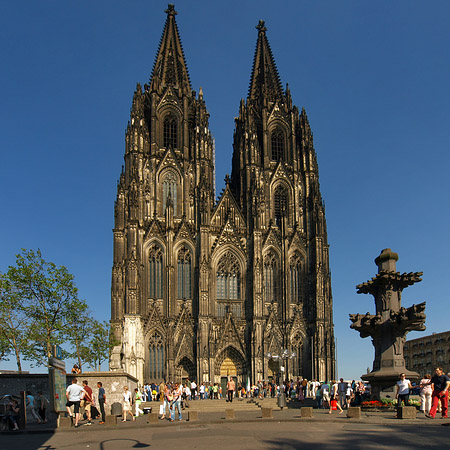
389 326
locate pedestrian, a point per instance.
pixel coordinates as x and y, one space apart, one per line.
12 413
74 394
231 386
334 397
31 407
87 400
167 401
439 384
126 404
75 369
349 395
403 387
42 405
342 390
425 394
101 401
137 402
325 391
176 402
319 399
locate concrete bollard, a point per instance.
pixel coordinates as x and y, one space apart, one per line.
229 413
111 420
306 412
266 413
64 422
192 416
354 412
152 418
406 412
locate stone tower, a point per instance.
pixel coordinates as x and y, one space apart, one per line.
238 286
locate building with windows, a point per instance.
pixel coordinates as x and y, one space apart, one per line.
424 354
207 288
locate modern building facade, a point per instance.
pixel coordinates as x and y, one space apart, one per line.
236 286
426 353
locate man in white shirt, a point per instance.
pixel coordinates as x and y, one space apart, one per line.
74 394
193 390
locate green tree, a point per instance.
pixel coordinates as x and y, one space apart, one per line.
14 321
49 299
99 347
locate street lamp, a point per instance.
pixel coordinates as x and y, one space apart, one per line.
285 355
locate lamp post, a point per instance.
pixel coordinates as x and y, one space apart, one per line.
283 358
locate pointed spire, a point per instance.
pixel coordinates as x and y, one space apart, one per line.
265 80
170 65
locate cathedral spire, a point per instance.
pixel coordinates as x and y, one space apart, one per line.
170 67
265 80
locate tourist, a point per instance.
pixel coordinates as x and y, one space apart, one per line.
349 395
126 404
87 401
402 393
168 397
202 391
319 399
176 402
42 404
74 394
137 402
12 413
101 401
439 384
425 394
304 387
193 389
334 397
342 389
325 391
231 387
75 369
30 406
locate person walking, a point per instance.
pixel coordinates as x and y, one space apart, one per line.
74 394
137 402
403 387
342 389
101 401
176 402
334 397
42 405
440 384
231 387
126 404
87 401
425 394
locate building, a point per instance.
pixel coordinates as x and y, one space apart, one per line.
236 286
426 353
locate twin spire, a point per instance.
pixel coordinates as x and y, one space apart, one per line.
170 65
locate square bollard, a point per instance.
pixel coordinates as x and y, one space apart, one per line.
266 413
64 422
152 418
229 413
111 420
306 412
192 416
406 412
354 412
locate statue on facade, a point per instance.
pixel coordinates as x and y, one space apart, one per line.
389 326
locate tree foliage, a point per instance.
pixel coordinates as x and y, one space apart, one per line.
40 307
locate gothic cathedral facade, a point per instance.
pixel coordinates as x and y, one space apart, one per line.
204 288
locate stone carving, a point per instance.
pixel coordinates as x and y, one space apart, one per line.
389 326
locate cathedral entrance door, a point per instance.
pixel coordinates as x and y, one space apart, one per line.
273 369
227 370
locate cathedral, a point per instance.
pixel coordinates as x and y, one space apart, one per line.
207 287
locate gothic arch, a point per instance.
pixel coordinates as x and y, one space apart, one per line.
278 141
184 258
232 352
154 269
170 181
156 355
184 368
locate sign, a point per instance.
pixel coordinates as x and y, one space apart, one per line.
57 389
57 352
57 363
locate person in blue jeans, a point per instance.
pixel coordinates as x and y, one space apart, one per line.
176 403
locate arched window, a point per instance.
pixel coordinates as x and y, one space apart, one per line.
170 131
156 272
170 187
156 357
280 203
295 278
277 144
184 273
228 278
271 279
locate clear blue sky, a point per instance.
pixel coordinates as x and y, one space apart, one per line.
373 77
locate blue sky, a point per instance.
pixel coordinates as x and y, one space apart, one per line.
373 77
